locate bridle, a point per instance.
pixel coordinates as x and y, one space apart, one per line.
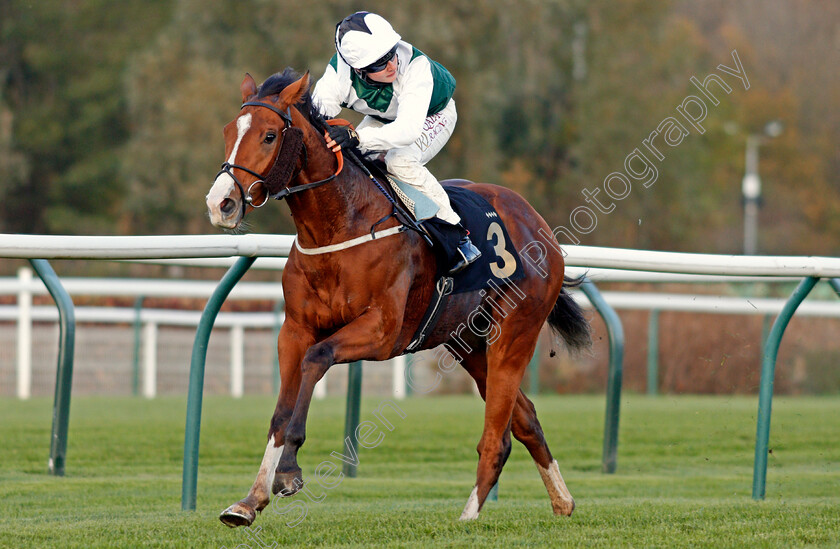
284 170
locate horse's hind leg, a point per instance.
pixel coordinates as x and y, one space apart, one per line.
527 430
505 367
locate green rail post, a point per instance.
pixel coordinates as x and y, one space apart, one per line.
493 494
835 283
354 405
766 324
192 432
616 339
64 372
135 365
653 353
768 372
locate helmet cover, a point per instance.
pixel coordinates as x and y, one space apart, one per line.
363 38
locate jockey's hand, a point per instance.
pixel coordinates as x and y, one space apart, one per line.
339 137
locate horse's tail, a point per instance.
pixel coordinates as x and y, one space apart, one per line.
567 319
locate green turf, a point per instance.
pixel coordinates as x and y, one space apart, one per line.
684 476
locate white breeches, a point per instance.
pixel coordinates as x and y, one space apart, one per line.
408 163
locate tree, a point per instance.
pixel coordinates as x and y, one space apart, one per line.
183 88
62 62
14 169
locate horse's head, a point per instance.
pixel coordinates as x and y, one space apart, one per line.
253 140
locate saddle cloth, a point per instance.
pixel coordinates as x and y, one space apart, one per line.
499 259
499 262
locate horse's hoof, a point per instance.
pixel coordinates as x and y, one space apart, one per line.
564 508
287 484
238 514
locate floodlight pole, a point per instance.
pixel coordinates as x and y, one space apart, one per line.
751 189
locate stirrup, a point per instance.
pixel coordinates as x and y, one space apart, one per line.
469 254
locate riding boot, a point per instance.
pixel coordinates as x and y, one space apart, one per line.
468 252
457 246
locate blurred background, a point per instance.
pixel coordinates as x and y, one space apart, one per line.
111 116
111 112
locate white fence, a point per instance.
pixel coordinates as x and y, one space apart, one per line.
256 245
111 248
600 264
238 326
23 315
810 269
702 264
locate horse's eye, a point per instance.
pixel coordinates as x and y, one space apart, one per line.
269 138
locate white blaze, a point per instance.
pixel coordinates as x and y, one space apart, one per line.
223 185
242 126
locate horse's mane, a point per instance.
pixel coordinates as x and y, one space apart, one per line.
277 82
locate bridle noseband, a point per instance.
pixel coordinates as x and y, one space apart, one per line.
283 171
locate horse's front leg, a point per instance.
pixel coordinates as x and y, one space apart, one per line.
291 345
364 337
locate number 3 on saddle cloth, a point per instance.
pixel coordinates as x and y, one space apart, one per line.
498 265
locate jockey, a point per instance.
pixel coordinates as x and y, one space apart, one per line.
410 114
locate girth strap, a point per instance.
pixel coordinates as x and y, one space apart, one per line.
443 289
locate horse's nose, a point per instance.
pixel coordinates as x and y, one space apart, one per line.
227 206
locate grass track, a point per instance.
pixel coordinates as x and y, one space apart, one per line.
684 476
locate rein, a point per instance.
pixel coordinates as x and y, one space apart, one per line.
281 174
284 170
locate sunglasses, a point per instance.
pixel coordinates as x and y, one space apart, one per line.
380 64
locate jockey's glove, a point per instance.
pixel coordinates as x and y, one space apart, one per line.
344 136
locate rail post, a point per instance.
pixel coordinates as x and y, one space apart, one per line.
150 360
279 307
354 405
766 324
835 283
768 372
493 494
398 383
237 361
23 369
135 362
653 353
64 372
615 333
195 394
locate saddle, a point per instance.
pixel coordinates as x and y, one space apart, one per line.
499 259
499 262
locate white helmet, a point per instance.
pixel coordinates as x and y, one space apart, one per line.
363 38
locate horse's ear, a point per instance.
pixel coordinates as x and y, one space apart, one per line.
248 87
295 91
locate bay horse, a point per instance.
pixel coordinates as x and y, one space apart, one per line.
364 301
